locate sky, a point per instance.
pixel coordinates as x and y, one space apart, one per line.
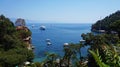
63 11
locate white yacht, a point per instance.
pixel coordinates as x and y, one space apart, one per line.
47 40
42 27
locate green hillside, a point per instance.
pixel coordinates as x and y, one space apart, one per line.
13 50
105 23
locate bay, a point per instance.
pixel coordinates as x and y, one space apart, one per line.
58 33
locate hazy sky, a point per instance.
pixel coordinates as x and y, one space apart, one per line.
59 10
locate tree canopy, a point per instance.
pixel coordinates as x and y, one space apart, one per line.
13 50
104 24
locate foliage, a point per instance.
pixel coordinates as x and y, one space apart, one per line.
50 60
96 40
111 57
103 51
104 48
23 33
115 26
101 42
12 49
107 44
72 55
98 59
36 64
105 23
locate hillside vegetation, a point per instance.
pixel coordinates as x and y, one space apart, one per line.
13 51
104 24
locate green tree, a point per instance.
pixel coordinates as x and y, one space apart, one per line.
98 59
116 27
50 59
12 49
104 24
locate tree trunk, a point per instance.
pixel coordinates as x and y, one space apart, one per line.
80 54
119 34
68 62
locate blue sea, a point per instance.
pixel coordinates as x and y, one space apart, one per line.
58 33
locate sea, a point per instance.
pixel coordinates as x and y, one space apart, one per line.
58 34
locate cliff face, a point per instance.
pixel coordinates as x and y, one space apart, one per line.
25 33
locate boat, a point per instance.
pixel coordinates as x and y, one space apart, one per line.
66 44
42 27
27 63
33 26
33 47
49 43
82 40
47 40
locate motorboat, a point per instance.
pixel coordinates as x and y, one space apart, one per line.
33 26
47 40
49 43
66 44
42 27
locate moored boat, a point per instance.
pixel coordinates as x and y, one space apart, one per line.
42 27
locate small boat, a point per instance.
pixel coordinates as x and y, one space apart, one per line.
47 40
82 40
66 44
42 27
33 47
49 43
33 26
27 63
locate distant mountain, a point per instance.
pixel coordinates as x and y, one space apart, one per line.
104 24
